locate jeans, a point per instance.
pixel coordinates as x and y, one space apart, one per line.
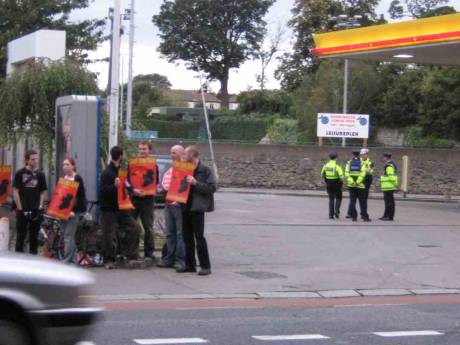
121 235
144 210
175 254
69 229
194 232
389 198
27 223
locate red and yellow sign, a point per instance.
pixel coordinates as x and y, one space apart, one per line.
5 182
63 199
124 201
143 174
179 188
401 34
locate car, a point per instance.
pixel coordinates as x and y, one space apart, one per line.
42 301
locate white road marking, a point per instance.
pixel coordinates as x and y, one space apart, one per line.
407 333
290 337
85 343
170 341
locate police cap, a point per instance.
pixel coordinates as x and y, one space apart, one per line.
333 155
355 152
387 154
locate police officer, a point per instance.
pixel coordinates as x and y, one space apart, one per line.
355 175
369 169
389 184
333 176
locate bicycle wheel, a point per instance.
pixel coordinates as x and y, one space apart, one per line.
59 246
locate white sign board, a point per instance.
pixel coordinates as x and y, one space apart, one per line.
343 125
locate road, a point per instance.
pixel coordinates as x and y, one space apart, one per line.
373 322
264 243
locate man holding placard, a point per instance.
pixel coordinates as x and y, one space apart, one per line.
143 178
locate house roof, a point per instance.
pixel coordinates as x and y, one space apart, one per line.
194 96
434 40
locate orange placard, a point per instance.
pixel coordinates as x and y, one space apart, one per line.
124 201
179 189
5 182
63 199
143 174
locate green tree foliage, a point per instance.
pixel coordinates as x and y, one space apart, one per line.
419 8
264 102
440 106
28 97
154 79
316 16
284 131
212 36
18 18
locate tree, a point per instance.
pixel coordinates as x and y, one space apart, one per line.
266 102
419 8
18 18
316 16
29 94
266 55
155 79
212 36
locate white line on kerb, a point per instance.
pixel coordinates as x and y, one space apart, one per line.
170 341
407 333
290 337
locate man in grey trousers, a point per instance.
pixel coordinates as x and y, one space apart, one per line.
175 255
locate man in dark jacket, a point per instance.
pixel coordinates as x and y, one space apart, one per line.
114 221
201 200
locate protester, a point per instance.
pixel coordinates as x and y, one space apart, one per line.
116 222
333 176
144 205
69 228
175 253
29 192
200 200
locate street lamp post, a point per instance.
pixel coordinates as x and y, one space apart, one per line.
346 22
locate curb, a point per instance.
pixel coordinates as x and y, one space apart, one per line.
439 199
323 294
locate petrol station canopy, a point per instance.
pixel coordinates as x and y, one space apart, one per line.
434 40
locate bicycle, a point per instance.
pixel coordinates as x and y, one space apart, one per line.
86 224
51 238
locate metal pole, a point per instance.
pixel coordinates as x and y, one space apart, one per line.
345 95
129 109
114 76
122 92
208 129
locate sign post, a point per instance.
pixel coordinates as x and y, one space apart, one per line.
354 126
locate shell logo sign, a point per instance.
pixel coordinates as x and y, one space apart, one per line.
343 125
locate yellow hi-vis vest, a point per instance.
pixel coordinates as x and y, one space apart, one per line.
332 171
389 180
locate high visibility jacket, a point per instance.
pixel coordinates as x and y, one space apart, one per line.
355 173
389 180
368 166
332 171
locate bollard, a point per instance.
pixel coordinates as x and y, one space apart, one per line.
4 233
405 175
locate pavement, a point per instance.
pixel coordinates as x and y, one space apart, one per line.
279 245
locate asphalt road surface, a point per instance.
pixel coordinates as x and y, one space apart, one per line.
387 322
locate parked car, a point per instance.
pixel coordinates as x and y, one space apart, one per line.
42 302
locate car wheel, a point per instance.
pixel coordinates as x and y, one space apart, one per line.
13 334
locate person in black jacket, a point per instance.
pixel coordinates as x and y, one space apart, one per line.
201 200
115 221
70 226
29 191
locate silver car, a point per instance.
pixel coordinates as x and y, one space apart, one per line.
42 302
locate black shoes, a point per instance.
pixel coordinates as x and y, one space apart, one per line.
386 219
366 220
186 270
204 272
162 264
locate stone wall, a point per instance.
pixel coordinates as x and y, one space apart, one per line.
432 171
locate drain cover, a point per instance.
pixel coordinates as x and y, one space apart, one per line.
427 246
261 275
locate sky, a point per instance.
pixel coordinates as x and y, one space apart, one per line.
147 60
